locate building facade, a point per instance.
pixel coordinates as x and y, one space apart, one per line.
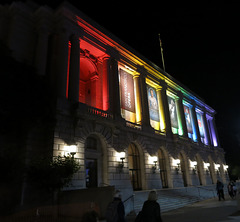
127 122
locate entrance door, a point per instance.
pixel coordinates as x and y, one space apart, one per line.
134 167
163 169
91 173
183 169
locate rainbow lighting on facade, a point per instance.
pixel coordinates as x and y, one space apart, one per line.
117 113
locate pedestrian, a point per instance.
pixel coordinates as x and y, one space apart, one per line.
219 189
151 209
115 210
230 189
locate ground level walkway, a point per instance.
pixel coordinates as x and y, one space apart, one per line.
205 211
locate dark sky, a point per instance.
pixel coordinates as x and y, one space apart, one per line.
200 41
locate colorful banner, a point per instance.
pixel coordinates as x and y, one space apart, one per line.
127 91
173 112
188 119
200 125
153 103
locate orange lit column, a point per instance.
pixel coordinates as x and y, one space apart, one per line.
62 64
181 114
165 109
195 122
114 92
105 89
74 69
136 79
161 110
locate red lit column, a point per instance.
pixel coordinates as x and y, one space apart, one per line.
74 69
180 111
62 64
105 89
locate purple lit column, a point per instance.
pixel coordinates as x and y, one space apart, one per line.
206 130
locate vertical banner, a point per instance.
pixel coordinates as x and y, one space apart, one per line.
127 91
152 103
200 125
188 119
173 112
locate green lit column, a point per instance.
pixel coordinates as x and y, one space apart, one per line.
165 109
181 117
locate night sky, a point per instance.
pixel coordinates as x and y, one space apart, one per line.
200 42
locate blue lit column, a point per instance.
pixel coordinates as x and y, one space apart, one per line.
206 130
195 123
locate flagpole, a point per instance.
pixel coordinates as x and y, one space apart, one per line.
160 42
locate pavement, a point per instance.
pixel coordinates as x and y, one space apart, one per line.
205 211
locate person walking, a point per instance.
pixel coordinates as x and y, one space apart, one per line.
151 209
115 210
219 188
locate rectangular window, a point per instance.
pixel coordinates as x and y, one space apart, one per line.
153 107
188 118
173 114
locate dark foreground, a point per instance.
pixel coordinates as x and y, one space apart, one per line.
205 211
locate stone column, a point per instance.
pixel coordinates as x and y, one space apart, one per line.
180 112
165 108
62 64
195 122
216 132
206 129
138 105
144 104
74 69
105 86
41 52
114 92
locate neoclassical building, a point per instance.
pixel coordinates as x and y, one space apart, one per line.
127 122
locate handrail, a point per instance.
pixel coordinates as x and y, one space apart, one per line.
132 196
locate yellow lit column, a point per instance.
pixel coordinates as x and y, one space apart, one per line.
164 109
136 79
161 110
181 117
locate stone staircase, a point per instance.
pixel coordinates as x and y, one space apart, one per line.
170 199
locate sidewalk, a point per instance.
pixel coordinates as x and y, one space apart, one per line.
205 211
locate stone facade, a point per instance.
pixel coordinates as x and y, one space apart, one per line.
83 63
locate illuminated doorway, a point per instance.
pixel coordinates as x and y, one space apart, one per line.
163 168
183 169
94 162
134 167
